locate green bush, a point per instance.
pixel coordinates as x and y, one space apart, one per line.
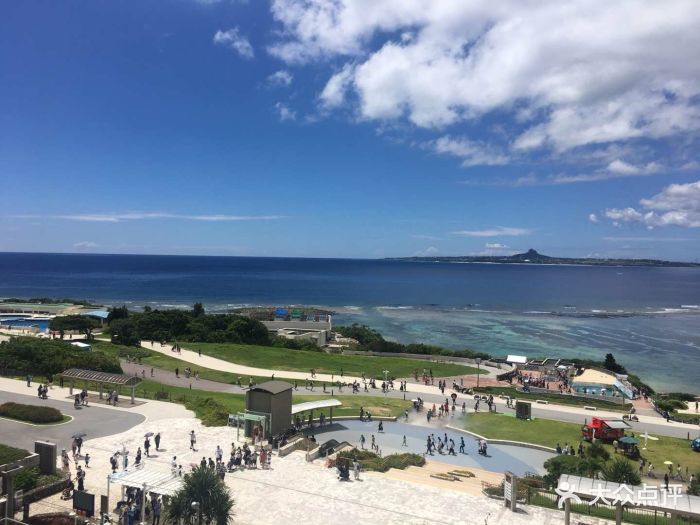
619 470
670 404
31 413
694 487
51 356
371 461
9 454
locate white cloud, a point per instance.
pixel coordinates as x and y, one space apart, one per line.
280 78
284 112
614 170
137 216
431 250
647 239
333 94
494 232
675 205
495 246
427 237
472 153
593 217
85 244
573 73
233 39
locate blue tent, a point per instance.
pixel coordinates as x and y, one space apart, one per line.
281 312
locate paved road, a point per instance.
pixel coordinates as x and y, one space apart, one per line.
94 420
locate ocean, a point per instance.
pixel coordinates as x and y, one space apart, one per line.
647 317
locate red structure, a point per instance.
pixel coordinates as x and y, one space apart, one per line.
604 429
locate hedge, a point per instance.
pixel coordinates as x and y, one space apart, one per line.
371 461
9 454
31 413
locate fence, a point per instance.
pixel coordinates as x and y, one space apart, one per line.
631 514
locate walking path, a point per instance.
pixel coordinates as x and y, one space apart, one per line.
650 423
214 363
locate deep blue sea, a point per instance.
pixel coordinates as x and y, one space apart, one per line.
648 317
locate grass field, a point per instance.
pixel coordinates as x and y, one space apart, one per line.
303 361
554 398
149 358
549 433
231 403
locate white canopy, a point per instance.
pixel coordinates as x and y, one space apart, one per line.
517 359
163 483
315 405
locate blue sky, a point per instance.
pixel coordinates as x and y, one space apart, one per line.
365 129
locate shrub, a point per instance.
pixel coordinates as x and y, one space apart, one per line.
619 470
371 461
9 454
48 357
694 487
30 413
558 465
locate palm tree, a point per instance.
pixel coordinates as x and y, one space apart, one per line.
204 499
619 470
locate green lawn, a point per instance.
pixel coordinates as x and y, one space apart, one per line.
554 398
303 361
231 403
549 433
150 358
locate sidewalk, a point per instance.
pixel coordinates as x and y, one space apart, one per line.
153 410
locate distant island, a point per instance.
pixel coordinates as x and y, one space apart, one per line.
533 257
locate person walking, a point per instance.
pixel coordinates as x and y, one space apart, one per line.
157 440
147 446
403 443
356 469
193 441
155 511
362 441
80 477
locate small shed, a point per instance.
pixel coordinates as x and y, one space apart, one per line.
102 379
272 399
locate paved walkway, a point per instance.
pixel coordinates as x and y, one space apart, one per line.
650 423
205 361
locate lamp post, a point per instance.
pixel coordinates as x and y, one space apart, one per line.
478 370
196 508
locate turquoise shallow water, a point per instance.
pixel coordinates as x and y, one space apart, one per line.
644 316
663 348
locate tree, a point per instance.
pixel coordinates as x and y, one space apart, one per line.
612 365
124 333
74 323
118 312
213 502
197 310
620 470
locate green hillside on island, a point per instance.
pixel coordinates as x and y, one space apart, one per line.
533 257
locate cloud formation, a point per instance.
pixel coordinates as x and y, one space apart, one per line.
284 112
675 205
85 244
561 75
472 153
137 216
233 39
497 231
280 78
